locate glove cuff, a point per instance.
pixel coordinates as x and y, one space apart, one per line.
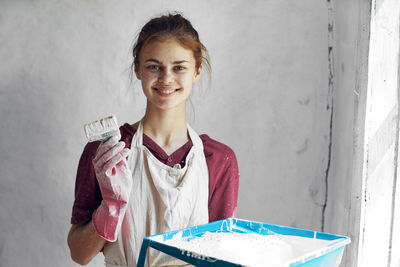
107 220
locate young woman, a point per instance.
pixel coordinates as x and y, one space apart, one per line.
158 175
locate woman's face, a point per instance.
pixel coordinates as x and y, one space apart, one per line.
167 71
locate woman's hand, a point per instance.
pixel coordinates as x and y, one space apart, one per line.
115 181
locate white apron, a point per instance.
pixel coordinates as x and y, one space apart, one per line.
163 199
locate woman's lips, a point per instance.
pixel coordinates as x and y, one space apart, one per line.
165 91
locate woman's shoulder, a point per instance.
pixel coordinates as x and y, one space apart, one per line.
215 148
127 131
222 168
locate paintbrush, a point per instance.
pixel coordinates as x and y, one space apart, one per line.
102 129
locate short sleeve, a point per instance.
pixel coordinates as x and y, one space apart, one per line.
87 190
223 179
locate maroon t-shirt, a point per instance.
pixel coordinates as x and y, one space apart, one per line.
222 169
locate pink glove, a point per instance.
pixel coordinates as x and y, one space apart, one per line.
115 181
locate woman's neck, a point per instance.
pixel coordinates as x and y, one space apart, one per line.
166 127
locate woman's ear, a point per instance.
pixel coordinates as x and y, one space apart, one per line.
137 72
198 73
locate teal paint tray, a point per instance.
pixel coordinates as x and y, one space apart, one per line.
327 256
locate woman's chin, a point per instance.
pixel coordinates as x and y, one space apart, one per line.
167 105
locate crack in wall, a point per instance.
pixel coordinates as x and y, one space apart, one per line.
327 170
329 106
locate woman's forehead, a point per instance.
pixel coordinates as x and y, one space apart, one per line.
166 51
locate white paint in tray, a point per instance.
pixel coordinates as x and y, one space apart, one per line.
250 249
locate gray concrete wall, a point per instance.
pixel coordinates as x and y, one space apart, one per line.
65 63
350 53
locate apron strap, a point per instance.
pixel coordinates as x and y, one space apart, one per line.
195 138
137 140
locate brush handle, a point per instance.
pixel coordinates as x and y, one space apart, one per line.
106 139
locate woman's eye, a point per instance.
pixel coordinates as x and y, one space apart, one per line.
179 68
153 67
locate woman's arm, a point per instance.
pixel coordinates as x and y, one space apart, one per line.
107 161
224 179
223 199
84 243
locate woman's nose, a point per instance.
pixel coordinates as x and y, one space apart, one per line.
166 76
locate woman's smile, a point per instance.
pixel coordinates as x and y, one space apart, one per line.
165 91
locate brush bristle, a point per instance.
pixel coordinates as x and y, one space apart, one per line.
101 129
